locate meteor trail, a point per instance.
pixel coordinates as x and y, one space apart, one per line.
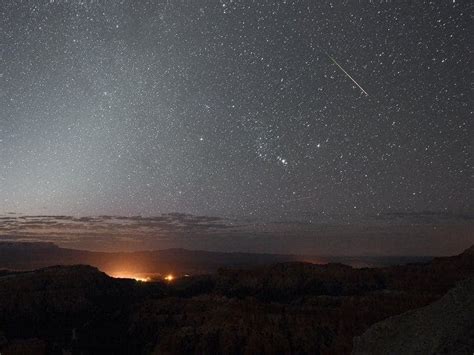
350 77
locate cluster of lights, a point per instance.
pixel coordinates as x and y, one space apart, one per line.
130 276
126 275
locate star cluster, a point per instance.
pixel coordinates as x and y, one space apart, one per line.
235 108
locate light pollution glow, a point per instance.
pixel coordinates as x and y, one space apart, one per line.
139 277
169 277
128 275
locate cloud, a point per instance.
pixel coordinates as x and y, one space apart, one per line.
384 234
67 229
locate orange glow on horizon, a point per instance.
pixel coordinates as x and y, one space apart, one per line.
141 277
125 275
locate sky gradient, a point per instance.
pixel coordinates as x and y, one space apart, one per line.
309 111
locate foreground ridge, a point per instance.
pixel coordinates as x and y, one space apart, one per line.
443 327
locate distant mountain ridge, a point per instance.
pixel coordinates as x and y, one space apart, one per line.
28 256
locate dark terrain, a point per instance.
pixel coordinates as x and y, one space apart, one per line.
288 307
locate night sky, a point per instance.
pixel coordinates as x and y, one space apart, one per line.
272 110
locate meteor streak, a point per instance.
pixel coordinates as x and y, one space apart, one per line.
350 77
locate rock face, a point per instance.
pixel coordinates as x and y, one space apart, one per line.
443 327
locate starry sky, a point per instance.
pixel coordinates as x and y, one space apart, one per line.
255 109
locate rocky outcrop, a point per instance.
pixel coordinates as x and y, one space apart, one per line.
443 327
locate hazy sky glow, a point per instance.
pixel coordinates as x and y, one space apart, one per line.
235 108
